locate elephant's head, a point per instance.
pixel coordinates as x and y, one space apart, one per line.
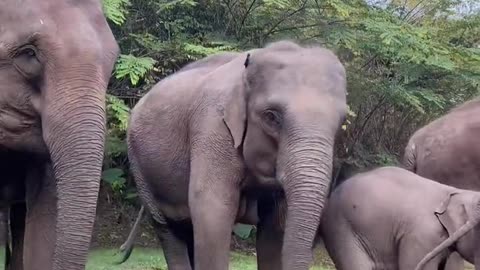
284 117
459 215
453 213
56 58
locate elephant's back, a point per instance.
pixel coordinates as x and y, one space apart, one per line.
378 204
448 149
385 193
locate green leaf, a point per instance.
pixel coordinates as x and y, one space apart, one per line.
242 230
116 10
118 112
133 67
131 195
113 175
202 50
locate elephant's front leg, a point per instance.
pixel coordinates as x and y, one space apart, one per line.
269 236
17 228
214 195
41 217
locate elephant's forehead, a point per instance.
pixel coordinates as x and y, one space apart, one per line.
19 19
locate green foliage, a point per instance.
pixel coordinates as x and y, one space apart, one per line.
202 51
115 147
115 178
350 115
116 10
117 119
118 113
133 67
407 62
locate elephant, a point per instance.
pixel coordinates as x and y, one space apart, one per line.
56 59
13 216
13 220
229 132
446 150
390 218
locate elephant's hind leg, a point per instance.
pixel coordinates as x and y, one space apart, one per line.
345 249
413 248
175 245
17 225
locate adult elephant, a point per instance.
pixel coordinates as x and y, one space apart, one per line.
227 131
56 58
447 151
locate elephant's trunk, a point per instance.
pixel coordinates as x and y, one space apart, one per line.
464 229
73 122
305 168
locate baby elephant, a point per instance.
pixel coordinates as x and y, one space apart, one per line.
390 218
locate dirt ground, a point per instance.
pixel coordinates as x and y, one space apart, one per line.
113 224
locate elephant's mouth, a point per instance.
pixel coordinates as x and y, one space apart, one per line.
263 171
269 180
21 132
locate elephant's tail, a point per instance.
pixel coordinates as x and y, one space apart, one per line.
127 247
409 157
448 242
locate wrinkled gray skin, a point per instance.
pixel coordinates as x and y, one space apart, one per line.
56 58
390 218
209 142
447 151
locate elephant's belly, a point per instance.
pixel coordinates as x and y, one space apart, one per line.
21 132
248 211
174 212
168 186
12 179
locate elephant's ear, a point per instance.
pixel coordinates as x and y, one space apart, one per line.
235 114
452 213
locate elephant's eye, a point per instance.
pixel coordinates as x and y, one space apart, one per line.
272 118
27 63
27 52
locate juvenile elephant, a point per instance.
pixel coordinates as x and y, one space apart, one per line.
229 131
390 218
56 58
447 150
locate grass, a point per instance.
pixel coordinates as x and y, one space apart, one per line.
152 259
